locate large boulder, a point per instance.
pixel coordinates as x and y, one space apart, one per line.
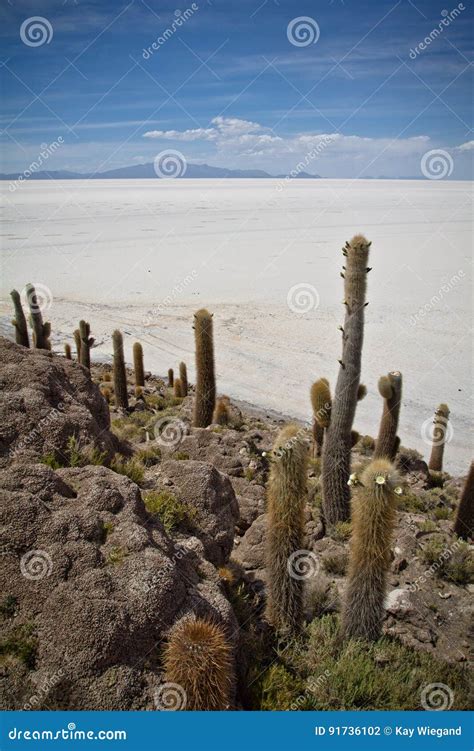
211 496
45 399
91 585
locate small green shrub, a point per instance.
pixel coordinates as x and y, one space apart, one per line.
335 563
148 455
51 461
181 456
20 643
168 509
452 561
131 468
341 531
116 556
8 606
279 689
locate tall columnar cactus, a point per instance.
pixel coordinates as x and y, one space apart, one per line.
138 364
286 494
205 400
198 658
183 374
19 322
178 388
120 374
320 395
67 352
337 443
41 331
170 378
440 430
86 343
373 521
390 388
464 524
77 344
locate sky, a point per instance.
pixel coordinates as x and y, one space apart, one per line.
345 89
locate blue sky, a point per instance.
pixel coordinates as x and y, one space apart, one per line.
227 85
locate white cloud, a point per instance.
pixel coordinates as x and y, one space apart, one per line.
468 146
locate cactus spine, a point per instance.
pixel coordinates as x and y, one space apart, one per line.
373 521
19 322
205 400
67 352
198 657
440 429
337 443
138 364
320 395
77 344
390 388
120 375
464 524
286 493
183 374
170 378
178 387
86 343
41 331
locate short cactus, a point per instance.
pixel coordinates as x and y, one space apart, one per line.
373 521
205 400
221 413
77 344
120 374
286 495
337 443
440 430
178 388
390 388
320 395
67 352
170 378
86 343
198 657
138 364
19 322
41 331
464 523
183 374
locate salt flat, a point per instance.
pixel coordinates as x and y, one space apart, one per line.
142 255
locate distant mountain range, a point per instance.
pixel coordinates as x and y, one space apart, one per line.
141 171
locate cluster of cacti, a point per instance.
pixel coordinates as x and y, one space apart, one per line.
41 331
86 343
19 322
198 657
320 395
464 523
120 374
286 496
138 364
183 375
373 521
337 443
390 388
440 421
205 398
